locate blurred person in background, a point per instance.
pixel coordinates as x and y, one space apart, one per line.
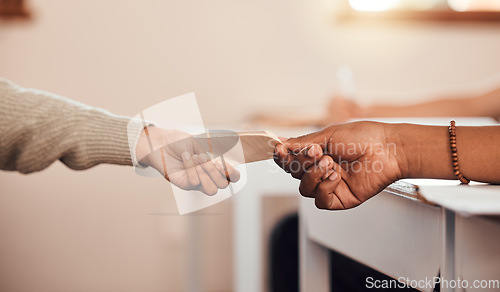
486 104
340 109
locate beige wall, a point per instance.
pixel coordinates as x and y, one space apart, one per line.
63 230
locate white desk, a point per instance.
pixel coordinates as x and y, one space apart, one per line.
401 238
395 235
391 219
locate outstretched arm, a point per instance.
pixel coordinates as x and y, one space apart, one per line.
482 105
365 157
38 128
426 152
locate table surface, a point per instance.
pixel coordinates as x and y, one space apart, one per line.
401 237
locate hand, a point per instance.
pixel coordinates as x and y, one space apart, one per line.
178 157
343 165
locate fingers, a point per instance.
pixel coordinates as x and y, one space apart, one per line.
215 175
326 182
207 186
299 143
212 175
282 156
304 159
333 193
189 165
297 163
314 175
325 197
227 170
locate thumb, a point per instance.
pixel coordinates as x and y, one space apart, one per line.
299 143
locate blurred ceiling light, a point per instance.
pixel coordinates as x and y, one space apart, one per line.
421 4
373 5
474 5
459 5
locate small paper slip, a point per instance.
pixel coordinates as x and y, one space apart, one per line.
257 146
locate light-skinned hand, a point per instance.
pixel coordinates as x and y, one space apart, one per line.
182 161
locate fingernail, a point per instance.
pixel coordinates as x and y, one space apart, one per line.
334 176
326 175
203 157
186 156
312 151
323 163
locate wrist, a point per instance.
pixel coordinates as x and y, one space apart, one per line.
407 154
145 145
423 151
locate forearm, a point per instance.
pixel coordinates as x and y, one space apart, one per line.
424 152
435 108
38 128
485 104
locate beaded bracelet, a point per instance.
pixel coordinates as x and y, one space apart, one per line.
454 155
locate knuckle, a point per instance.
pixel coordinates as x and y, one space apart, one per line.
234 177
323 188
223 184
353 205
303 192
211 191
317 180
320 204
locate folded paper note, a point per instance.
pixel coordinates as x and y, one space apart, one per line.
257 146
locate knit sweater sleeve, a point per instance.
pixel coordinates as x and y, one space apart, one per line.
38 128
